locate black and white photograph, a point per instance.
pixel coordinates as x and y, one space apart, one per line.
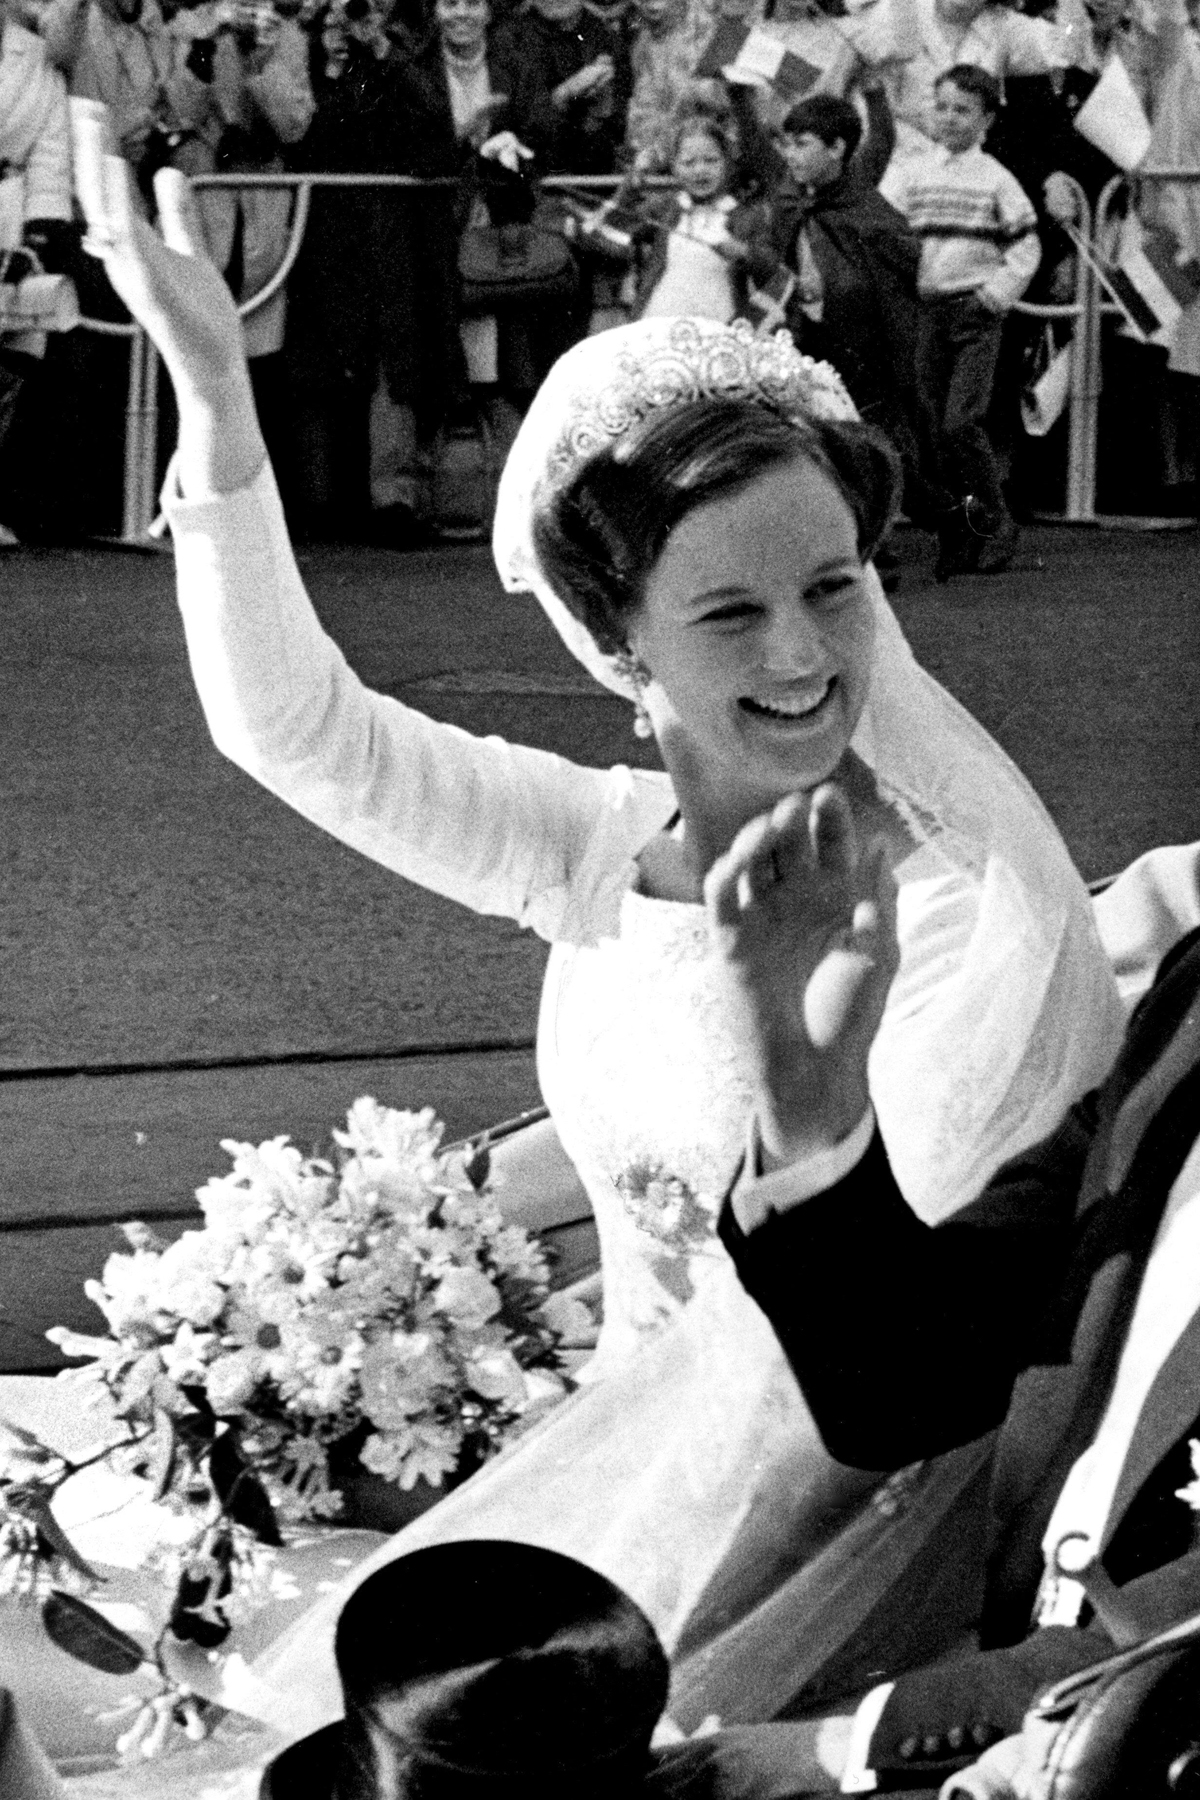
600 908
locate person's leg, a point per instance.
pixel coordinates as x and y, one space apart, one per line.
975 347
934 365
14 369
399 469
942 486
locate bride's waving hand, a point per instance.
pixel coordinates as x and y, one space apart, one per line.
175 292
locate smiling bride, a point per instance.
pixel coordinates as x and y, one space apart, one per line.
696 510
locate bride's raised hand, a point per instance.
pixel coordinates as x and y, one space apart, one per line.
804 923
176 293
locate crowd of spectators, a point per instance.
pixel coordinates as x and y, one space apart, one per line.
393 367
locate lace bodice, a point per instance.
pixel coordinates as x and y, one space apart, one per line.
649 1088
649 1097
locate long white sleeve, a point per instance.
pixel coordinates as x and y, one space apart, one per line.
501 828
1020 247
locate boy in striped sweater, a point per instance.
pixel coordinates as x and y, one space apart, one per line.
979 252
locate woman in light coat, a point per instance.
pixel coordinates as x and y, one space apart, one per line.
35 193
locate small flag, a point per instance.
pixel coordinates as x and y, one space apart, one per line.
1152 282
766 306
1114 119
756 56
598 222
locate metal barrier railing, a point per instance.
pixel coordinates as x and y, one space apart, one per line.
139 504
141 427
1086 311
1104 306
1084 389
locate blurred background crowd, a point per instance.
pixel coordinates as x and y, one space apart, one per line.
394 363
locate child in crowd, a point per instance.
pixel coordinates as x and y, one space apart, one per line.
843 264
979 252
688 248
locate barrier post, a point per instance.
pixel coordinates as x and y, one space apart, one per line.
148 481
1085 391
140 460
1081 398
131 508
1102 307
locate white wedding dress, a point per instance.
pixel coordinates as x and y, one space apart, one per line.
686 1468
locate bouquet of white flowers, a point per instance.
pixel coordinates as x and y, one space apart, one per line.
377 1295
366 1310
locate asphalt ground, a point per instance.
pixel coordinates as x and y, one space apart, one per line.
185 960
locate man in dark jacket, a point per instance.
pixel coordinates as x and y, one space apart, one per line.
1063 1306
373 299
566 72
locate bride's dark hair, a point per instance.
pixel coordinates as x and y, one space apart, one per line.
599 539
495 1671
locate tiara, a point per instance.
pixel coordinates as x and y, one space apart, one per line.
695 359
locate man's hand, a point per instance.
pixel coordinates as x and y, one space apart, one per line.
1013 1769
506 148
734 75
733 249
586 81
478 128
1062 197
805 1756
805 926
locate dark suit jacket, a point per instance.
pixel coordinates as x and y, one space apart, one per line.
376 281
531 57
1014 1312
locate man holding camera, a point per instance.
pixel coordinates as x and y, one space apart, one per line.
202 86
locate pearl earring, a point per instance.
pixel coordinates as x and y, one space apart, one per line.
637 674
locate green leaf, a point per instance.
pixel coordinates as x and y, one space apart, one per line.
478 1165
137 1383
160 1454
33 1503
194 1432
240 1492
197 1615
21 1450
86 1635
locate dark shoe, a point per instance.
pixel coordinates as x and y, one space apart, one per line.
956 546
398 528
962 536
998 548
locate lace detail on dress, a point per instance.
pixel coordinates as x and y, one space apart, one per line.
667 1210
650 1093
928 827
